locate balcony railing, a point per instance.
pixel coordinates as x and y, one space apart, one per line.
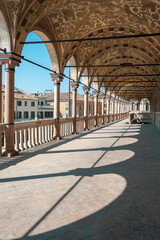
34 133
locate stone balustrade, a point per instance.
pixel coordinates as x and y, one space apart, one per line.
143 117
34 133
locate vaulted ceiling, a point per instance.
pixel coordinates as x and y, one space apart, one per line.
79 19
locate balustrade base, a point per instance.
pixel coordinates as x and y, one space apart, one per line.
57 138
74 133
10 153
22 149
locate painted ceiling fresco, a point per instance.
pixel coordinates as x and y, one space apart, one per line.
78 19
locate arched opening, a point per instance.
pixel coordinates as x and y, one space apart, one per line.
145 105
38 100
134 105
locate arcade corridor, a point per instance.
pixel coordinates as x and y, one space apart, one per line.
101 184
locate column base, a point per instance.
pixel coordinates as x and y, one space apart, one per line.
10 153
57 138
74 133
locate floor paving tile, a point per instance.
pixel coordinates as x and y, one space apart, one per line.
102 184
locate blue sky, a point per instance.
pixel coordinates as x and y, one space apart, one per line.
31 78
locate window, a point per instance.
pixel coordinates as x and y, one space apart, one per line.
19 103
32 115
42 103
19 114
25 103
32 104
40 114
25 114
66 106
80 107
48 114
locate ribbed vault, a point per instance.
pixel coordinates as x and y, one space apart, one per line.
72 19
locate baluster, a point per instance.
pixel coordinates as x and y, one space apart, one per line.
33 135
46 130
69 128
49 132
48 127
22 140
44 135
40 140
52 131
37 135
61 129
30 138
0 143
15 141
26 138
65 129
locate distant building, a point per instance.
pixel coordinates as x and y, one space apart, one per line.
25 106
28 106
44 109
64 104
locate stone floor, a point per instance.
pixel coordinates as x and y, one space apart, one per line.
103 184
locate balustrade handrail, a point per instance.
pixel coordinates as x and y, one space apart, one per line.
65 120
31 133
30 124
81 118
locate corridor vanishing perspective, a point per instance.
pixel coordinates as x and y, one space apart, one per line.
101 184
79 145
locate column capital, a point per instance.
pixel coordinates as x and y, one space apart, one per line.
74 85
10 59
103 96
57 78
96 93
86 89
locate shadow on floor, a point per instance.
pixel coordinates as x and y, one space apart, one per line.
134 215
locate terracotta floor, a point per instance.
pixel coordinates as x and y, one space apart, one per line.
101 185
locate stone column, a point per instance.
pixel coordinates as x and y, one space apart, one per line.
0 93
96 107
103 98
113 110
86 90
9 110
10 61
119 109
108 109
57 79
108 106
74 105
